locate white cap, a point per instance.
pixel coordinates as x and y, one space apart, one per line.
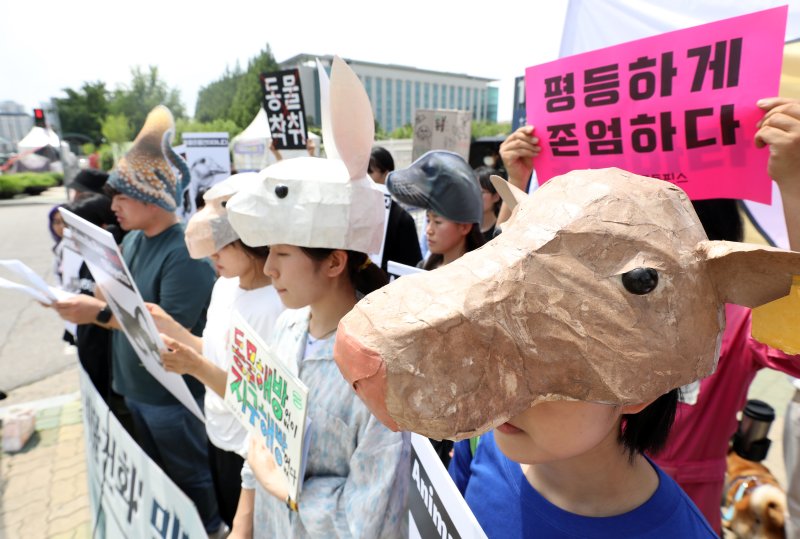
209 230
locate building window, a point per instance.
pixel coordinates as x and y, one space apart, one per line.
379 101
389 126
409 107
435 96
461 97
368 89
417 95
398 107
452 103
472 96
405 102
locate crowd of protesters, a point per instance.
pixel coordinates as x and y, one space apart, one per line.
238 253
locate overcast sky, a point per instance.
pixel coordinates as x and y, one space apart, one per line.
49 45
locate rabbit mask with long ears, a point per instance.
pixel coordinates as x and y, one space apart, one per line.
602 288
313 202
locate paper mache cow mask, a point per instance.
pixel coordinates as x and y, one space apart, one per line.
602 288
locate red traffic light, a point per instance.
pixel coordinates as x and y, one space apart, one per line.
38 118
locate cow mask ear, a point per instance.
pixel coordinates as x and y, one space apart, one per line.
510 194
747 274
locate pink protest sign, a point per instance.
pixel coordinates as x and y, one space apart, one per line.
680 106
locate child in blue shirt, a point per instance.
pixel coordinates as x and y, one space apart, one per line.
534 477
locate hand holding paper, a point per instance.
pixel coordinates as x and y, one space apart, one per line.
164 322
37 288
266 469
178 357
79 309
780 130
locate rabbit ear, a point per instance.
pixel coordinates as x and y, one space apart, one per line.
351 118
325 112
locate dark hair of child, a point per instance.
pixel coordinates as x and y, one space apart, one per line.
647 431
365 276
484 173
380 160
474 239
260 253
720 218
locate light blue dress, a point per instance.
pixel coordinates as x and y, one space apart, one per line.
357 472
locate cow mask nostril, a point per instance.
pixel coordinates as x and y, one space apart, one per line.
640 281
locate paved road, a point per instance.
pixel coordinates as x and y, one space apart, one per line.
31 348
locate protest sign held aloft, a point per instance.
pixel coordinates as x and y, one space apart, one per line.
283 103
441 130
680 106
209 163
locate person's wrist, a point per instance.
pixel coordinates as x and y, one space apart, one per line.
790 187
519 181
103 315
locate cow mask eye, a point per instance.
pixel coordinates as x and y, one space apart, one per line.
640 281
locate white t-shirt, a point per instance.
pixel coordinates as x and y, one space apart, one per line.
260 308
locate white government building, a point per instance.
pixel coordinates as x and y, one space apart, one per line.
396 92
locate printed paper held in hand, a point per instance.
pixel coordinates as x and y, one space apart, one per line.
102 256
268 399
36 287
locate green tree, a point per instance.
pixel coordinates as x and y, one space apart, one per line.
406 131
83 110
193 126
490 129
248 96
144 93
214 101
116 128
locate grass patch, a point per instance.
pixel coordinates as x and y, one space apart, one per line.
31 183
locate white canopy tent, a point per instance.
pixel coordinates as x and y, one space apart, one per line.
39 150
250 148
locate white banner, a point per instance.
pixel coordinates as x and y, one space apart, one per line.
209 162
396 269
102 256
129 494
